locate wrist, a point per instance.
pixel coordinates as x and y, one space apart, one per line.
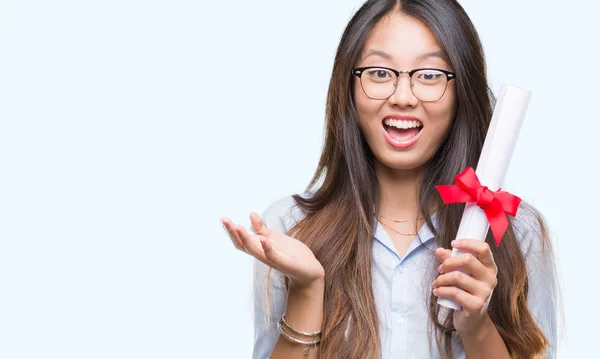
480 332
315 288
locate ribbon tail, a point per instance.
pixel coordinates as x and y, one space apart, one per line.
454 194
497 219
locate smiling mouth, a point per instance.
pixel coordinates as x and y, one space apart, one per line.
402 130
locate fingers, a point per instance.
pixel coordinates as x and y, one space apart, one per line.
467 262
251 243
480 248
260 245
465 282
271 254
233 236
468 301
443 253
471 291
258 226
268 253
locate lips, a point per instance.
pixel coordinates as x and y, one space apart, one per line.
402 131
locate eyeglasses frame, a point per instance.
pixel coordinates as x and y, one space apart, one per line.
360 70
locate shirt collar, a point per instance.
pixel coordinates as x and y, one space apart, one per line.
425 234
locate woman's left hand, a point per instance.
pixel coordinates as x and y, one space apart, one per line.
472 292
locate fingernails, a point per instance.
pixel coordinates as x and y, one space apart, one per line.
455 243
440 268
435 291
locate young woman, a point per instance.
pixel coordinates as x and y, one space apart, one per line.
351 268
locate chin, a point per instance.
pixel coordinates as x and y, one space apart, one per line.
403 161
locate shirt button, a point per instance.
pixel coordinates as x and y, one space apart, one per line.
400 270
399 321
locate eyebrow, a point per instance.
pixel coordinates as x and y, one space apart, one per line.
421 57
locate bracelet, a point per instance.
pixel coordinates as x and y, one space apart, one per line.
313 334
296 340
308 343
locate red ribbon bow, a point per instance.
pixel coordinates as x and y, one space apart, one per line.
495 204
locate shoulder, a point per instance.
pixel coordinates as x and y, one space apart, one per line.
533 237
530 229
282 214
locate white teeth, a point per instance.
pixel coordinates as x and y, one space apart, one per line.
402 124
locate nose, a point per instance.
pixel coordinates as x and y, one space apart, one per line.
403 96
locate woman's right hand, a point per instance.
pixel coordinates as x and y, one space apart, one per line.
283 253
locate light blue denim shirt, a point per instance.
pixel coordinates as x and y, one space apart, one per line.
401 289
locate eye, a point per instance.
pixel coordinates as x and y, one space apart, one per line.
379 75
430 76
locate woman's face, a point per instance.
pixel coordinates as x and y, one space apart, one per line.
408 142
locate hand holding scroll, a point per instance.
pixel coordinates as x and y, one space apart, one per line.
473 292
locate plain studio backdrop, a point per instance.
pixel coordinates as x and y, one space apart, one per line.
128 128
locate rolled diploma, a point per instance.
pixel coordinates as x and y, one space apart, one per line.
498 148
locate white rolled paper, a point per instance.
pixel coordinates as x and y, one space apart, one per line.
498 148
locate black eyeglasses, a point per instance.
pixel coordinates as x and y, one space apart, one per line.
427 84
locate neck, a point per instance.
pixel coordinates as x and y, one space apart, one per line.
399 192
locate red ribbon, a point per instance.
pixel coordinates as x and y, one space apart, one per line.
496 205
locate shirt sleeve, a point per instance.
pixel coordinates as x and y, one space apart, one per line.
267 313
277 217
542 296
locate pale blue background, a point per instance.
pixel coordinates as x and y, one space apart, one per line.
127 128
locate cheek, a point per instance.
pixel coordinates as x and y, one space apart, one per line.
359 98
451 100
441 116
365 107
442 112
